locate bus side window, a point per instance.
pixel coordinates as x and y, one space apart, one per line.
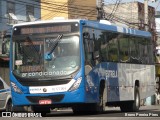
124 49
113 48
103 47
134 50
144 52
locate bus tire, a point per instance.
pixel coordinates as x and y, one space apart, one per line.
132 106
136 103
100 106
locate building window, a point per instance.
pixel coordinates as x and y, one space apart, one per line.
12 19
30 13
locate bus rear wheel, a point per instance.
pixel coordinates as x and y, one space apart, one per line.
132 106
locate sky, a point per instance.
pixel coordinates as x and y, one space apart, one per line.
150 3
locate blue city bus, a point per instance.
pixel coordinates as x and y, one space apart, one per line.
82 64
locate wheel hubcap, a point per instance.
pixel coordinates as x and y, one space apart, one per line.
137 101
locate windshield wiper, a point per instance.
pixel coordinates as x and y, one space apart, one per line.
56 43
48 55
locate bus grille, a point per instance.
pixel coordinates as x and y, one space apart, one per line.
54 98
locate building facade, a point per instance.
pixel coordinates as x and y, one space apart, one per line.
158 27
133 15
158 52
13 12
69 9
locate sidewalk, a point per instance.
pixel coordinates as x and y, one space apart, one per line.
145 107
151 107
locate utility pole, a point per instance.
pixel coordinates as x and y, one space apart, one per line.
100 10
146 15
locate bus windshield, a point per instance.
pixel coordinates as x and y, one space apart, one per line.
32 59
46 51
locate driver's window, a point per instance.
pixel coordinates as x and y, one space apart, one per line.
88 49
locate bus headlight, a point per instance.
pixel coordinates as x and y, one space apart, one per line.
76 84
15 88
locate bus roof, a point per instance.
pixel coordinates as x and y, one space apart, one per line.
95 24
119 29
45 21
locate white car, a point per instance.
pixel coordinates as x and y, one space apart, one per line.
5 97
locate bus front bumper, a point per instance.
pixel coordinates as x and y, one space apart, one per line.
77 96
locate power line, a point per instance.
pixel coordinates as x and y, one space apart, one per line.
52 15
49 8
109 16
71 9
64 6
150 15
115 9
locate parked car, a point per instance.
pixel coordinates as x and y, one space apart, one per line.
5 97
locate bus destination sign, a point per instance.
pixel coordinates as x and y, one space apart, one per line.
43 29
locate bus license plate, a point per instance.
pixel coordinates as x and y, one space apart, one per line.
45 102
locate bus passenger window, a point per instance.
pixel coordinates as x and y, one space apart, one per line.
134 50
144 51
124 49
113 55
113 51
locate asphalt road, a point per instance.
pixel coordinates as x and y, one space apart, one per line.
147 112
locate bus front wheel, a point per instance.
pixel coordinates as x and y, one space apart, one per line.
100 106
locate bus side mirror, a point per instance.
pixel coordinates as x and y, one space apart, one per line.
88 68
